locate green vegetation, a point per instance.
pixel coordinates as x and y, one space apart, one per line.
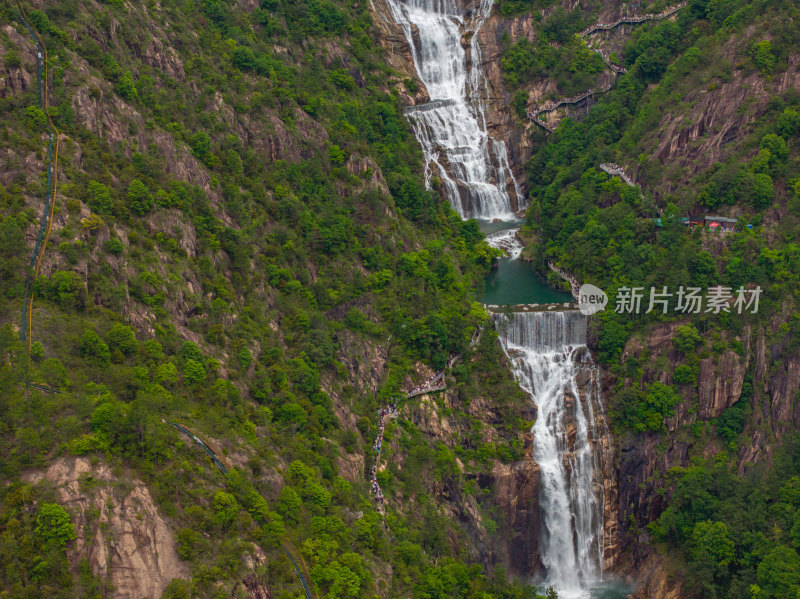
643 411
731 533
557 55
600 229
514 7
235 238
33 547
739 533
53 526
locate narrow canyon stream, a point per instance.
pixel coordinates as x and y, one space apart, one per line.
547 349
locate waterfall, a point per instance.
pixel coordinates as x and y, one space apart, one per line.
548 349
552 363
507 241
472 166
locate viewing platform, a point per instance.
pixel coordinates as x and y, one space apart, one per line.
616 170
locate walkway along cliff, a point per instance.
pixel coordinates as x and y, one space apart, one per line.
534 115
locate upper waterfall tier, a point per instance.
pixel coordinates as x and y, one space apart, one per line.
457 147
551 362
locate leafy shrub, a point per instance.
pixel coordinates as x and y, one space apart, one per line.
685 375
225 507
126 87
12 59
190 351
763 191
520 103
123 338
53 372
40 21
778 575
763 57
291 413
646 411
107 419
140 201
114 246
732 420
166 373
94 349
200 144
92 222
788 124
65 288
37 350
289 505
53 526
243 58
188 543
686 338
193 372
711 545
245 358
35 119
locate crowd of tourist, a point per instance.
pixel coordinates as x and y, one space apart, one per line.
391 412
431 382
383 414
613 168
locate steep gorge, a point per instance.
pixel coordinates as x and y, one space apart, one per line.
475 493
571 495
477 28
157 266
636 479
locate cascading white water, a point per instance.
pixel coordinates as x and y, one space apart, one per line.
472 165
548 350
552 363
507 241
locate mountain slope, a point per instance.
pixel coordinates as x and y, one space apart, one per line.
705 122
242 243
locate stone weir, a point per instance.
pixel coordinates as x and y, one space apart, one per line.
559 307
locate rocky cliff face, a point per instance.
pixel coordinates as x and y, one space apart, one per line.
516 489
776 385
501 121
518 135
119 529
705 126
644 460
510 490
612 524
697 131
398 52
